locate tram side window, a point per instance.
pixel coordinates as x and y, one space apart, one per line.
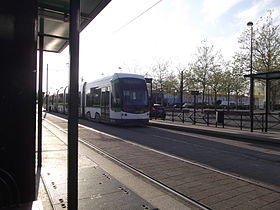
60 98
93 97
96 97
107 93
89 101
66 98
105 97
115 97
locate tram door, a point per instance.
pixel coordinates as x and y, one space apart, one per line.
105 104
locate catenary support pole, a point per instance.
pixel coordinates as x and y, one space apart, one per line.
47 89
181 90
72 185
252 105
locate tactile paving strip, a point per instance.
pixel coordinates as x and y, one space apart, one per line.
97 190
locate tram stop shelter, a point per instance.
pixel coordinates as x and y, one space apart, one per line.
27 27
267 76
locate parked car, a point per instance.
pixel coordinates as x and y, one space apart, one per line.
178 105
230 103
185 105
157 111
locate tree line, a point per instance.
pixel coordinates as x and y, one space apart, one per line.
211 74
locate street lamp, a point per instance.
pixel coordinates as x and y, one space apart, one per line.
181 90
250 24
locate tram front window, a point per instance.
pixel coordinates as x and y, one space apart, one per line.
134 95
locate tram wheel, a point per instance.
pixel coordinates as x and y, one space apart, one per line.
88 116
97 117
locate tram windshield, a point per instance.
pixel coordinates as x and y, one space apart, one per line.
130 94
134 92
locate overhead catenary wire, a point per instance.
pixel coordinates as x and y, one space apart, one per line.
135 18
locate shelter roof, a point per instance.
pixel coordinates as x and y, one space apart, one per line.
266 75
55 20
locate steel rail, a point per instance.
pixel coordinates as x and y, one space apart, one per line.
138 172
178 158
134 170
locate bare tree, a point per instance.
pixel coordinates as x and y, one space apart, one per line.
206 62
237 71
159 73
216 82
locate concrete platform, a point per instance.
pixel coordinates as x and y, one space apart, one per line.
230 133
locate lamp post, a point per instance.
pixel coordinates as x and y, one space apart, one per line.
181 90
250 24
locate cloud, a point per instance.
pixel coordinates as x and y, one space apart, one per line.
164 32
227 44
254 12
276 15
214 9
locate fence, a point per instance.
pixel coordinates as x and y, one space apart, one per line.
221 118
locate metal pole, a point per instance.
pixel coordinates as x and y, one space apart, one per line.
262 122
250 24
241 122
181 91
40 96
252 102
151 94
194 110
72 185
47 89
267 100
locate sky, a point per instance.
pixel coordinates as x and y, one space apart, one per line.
131 36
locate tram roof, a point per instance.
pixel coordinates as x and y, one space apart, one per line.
55 15
113 77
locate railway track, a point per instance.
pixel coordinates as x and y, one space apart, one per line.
194 184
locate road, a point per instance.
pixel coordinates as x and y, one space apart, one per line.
255 162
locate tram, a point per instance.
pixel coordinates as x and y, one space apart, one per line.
118 99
